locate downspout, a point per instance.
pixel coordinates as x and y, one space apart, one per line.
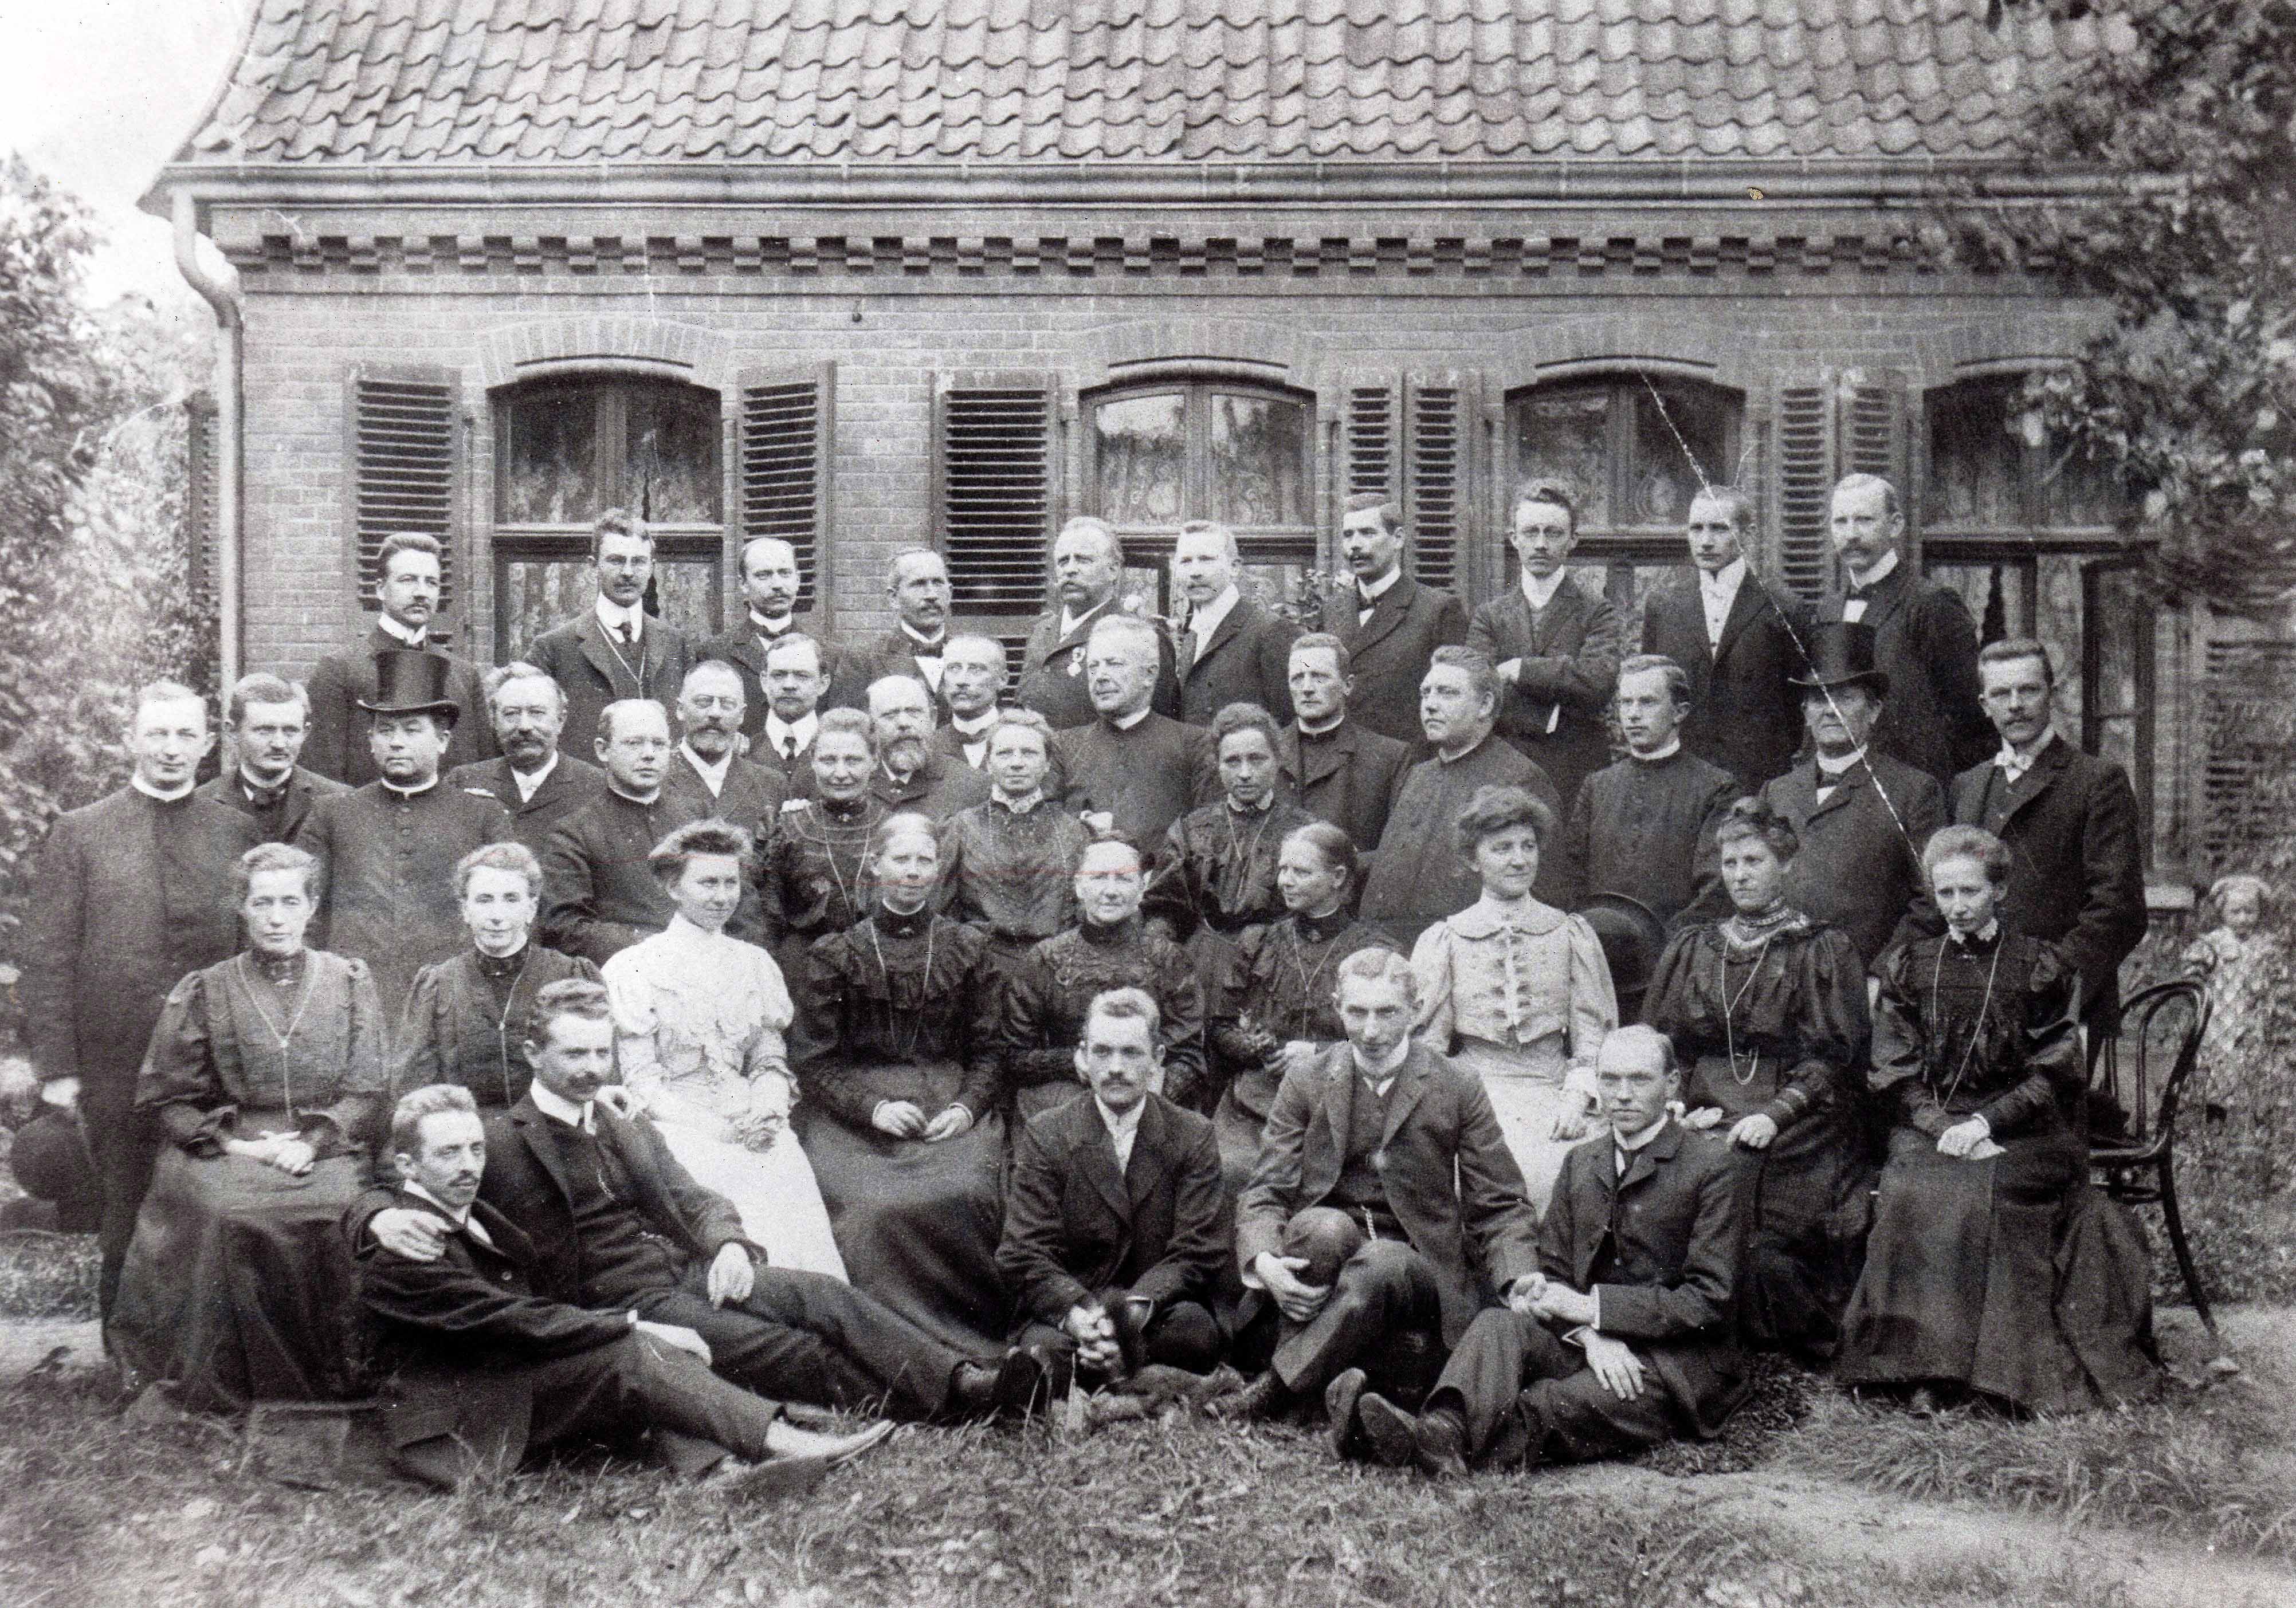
222 296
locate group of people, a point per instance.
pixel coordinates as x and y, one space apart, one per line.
859 1031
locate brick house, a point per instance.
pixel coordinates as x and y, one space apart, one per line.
863 274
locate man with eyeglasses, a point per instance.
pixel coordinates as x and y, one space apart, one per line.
615 650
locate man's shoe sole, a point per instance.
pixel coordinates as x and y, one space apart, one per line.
1390 1431
1340 1398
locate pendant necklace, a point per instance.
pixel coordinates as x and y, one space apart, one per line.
1984 1004
280 1040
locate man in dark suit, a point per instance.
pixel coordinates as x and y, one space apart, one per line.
1623 1337
1132 764
1738 640
614 649
266 721
797 685
911 774
1343 772
1232 650
1645 827
618 1226
1923 639
1392 624
534 780
971 677
482 1371
2071 823
771 583
1556 649
1862 816
708 776
1115 1227
1384 1202
599 893
127 896
342 684
917 582
1087 574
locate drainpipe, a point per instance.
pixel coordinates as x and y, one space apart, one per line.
222 296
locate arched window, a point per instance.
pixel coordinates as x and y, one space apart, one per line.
566 450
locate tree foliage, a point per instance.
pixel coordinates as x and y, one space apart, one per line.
2186 113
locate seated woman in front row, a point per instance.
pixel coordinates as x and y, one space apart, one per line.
896 1054
265 1076
1993 1267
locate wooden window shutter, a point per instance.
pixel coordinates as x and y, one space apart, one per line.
786 429
1370 444
406 441
1441 411
202 488
1801 485
994 490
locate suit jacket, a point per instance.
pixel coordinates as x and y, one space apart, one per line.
1348 777
2076 859
1451 1181
570 784
1569 652
1860 865
940 787
1147 777
1658 1246
1934 719
750 797
1248 661
337 748
1745 712
1075 1227
599 895
895 653
280 823
742 647
584 661
1052 671
1389 652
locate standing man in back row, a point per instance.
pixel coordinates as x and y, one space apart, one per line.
1392 624
917 582
771 583
266 721
1232 651
408 595
615 650
1087 572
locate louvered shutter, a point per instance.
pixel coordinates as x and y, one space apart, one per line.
994 491
1440 410
202 483
2248 775
1371 438
786 428
1801 485
406 442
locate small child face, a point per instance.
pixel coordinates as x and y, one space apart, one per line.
2243 908
1966 897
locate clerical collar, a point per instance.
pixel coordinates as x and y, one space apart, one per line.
1673 746
157 796
973 725
1113 934
765 627
1325 730
627 797
1540 593
1982 938
613 616
389 786
1632 1142
413 636
1317 929
1124 723
1373 592
1023 804
1828 765
558 1107
1453 759
897 924
1874 577
1385 1070
460 1218
921 640
712 773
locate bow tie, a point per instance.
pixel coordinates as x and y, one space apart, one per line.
264 799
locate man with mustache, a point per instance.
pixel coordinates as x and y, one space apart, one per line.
267 721
796 684
1390 624
917 582
614 649
707 775
911 774
1088 577
534 780
342 683
971 676
771 583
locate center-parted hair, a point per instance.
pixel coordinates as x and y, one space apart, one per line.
1753 818
1337 848
569 997
1550 491
847 723
617 522
1378 964
276 857
1129 1005
669 859
432 1099
267 689
1241 716
505 856
1966 843
1390 511
1494 809
1027 720
789 641
906 823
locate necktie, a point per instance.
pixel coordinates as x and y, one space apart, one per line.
789 747
629 633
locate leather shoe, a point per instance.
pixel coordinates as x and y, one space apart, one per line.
1264 1398
1339 1397
1021 1381
972 1390
1439 1437
1390 1431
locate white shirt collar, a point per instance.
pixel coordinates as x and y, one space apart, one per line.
1071 623
1881 572
148 791
1119 1126
1673 746
1635 1141
766 628
1124 723
714 775
557 1107
976 726
1542 592
2016 762
1206 620
248 784
1983 934
778 729
1382 1076
412 635
460 1218
934 643
1724 582
530 781
1836 767
613 616
1380 587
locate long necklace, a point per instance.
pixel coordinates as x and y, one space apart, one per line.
1730 1004
1984 1004
907 1050
614 647
1299 964
280 1040
1240 855
502 1022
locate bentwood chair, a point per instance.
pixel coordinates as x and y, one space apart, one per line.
2143 1070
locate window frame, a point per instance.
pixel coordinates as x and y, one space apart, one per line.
1615 546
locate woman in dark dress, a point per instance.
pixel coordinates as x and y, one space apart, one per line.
1767 1013
1993 1267
903 1108
1008 864
466 1016
266 1077
1274 1009
813 876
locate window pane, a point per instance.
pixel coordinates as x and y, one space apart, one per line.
1259 460
549 471
2076 490
1973 460
2000 596
673 455
1565 436
1682 441
532 594
1139 450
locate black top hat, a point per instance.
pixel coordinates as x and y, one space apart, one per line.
1632 937
408 680
1842 654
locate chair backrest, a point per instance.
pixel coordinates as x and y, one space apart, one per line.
2142 1068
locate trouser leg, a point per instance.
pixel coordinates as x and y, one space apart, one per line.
1384 1287
639 1382
1184 1334
1576 1418
122 1146
1485 1373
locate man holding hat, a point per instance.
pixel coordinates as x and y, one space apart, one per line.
1862 816
387 850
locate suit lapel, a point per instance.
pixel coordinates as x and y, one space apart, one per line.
1646 1160
1235 621
1845 792
1389 612
1311 762
528 1119
1337 1116
1097 1157
1743 607
2037 780
1410 1083
1890 596
602 659
1151 1145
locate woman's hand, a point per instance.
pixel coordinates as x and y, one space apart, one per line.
622 1100
1296 1056
1701 1119
899 1118
1961 1140
952 1121
293 1156
1570 1122
1753 1132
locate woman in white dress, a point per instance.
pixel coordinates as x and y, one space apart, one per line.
699 1020
1518 990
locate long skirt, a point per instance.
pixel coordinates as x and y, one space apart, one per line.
238 1288
772 1189
1525 1090
918 1223
2010 1275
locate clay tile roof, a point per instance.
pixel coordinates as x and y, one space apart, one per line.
882 81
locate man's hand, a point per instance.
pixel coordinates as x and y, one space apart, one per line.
732 1274
1297 1301
1523 1295
61 1091
1570 1122
618 1098
678 1337
1701 1119
293 1156
1962 1138
1560 1304
952 1121
1095 1332
899 1118
1753 1132
1510 671
407 1234
1619 1368
1297 1054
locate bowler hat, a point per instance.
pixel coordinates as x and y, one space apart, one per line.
1842 654
1632 937
408 680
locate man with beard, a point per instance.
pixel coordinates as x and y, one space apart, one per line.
341 683
1343 772
1087 572
795 684
536 783
1232 651
1645 827
389 849
614 650
1138 769
706 777
971 676
917 582
128 895
267 721
771 583
1392 624
599 892
911 776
